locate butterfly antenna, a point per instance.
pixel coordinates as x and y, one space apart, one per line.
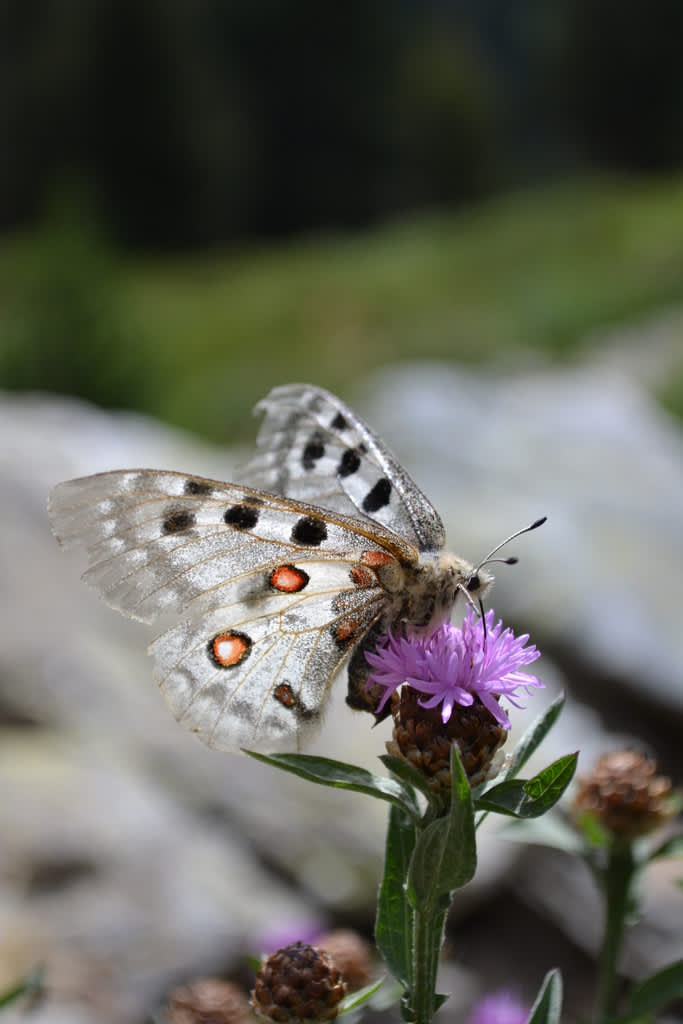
517 533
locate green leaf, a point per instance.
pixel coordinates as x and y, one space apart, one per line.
533 797
534 736
394 924
445 856
356 999
550 830
30 985
529 743
407 773
593 831
339 775
672 847
658 990
548 1004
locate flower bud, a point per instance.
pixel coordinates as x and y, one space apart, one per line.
298 983
351 954
208 1001
422 738
625 794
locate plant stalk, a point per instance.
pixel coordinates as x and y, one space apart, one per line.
429 924
617 881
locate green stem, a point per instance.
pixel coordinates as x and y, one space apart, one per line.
429 924
617 880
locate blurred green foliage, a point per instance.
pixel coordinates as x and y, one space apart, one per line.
197 340
197 122
66 324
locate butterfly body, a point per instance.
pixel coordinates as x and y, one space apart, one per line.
277 581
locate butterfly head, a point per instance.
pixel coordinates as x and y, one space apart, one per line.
477 583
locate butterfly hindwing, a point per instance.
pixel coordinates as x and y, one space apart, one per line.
263 681
314 448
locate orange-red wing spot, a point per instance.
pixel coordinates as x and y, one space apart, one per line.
362 577
288 579
285 695
346 630
375 559
228 649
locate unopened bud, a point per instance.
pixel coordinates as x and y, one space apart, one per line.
625 794
298 983
208 1001
422 739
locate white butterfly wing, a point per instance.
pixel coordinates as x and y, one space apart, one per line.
276 593
312 447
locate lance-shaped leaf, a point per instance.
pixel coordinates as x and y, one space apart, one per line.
407 773
339 775
357 998
672 847
658 990
548 1004
445 856
394 924
534 736
30 986
531 797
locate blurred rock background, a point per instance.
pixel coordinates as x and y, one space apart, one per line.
467 219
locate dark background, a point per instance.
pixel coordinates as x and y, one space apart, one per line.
196 122
200 199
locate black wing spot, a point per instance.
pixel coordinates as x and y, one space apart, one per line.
349 462
310 531
314 450
177 520
241 517
339 422
197 487
378 497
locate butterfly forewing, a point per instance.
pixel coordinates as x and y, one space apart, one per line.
314 448
157 540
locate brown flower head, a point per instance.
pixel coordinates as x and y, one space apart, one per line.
424 740
298 983
208 1001
351 954
625 794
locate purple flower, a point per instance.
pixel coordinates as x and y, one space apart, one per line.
453 666
499 1008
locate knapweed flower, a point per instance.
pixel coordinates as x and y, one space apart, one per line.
351 954
208 1000
456 666
625 794
499 1008
298 983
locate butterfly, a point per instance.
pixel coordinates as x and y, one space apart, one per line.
275 583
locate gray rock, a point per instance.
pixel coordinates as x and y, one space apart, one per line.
590 449
134 855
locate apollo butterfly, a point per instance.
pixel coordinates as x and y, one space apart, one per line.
275 582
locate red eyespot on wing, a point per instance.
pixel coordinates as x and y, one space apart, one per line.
376 559
362 577
228 649
285 695
288 579
346 630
